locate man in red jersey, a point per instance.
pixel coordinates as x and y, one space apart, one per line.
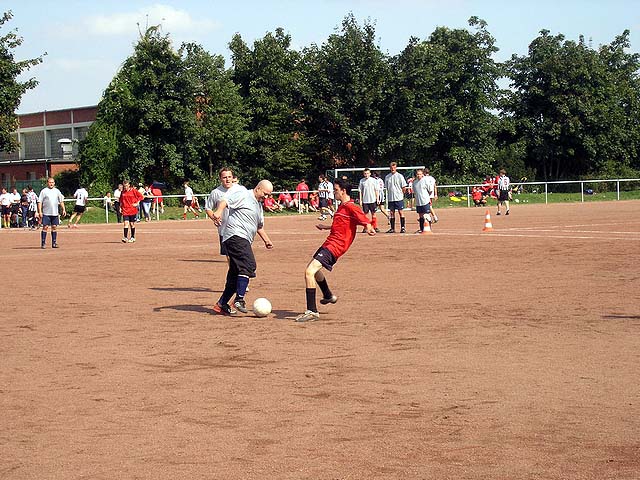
129 200
343 232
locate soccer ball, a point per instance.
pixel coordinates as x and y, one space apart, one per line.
517 200
261 307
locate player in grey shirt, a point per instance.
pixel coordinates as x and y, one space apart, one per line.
245 220
396 185
214 198
50 202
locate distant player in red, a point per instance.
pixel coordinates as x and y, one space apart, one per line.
129 200
343 232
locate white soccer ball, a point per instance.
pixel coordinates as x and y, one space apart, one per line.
517 200
261 307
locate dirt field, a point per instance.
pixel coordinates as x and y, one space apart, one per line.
460 355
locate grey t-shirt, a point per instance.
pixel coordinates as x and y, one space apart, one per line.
422 192
213 200
50 198
394 183
245 214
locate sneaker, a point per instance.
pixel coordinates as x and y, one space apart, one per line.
68 225
124 239
308 316
419 232
391 230
322 218
435 220
43 246
331 299
498 213
364 230
132 240
75 225
507 212
403 230
241 306
377 230
223 309
55 245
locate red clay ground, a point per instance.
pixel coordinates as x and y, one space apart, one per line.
461 355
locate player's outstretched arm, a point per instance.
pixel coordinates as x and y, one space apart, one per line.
322 226
265 238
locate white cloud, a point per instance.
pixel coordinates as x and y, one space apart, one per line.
171 19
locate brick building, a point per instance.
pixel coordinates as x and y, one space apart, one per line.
40 154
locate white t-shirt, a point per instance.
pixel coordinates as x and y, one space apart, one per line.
245 214
5 199
188 193
503 182
368 188
116 195
15 197
50 198
421 191
81 196
432 185
394 182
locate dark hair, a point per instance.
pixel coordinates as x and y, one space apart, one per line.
343 183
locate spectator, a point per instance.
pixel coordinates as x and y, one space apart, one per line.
24 208
146 203
158 201
325 189
107 202
285 200
478 197
314 202
270 204
15 206
116 201
302 195
50 202
5 204
188 201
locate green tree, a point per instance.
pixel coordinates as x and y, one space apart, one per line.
346 76
151 105
441 102
575 108
223 137
271 83
11 90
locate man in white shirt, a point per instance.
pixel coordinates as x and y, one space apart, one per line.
116 201
433 192
5 204
369 196
81 195
504 191
188 200
50 202
396 185
422 191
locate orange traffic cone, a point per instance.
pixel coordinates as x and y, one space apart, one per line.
487 222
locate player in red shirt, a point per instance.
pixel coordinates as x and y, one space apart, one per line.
129 200
343 232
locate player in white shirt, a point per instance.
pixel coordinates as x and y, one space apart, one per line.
214 198
369 197
396 185
188 200
422 189
50 203
5 204
504 190
433 189
81 195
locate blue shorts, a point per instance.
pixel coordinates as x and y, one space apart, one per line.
50 220
421 209
369 207
325 257
399 205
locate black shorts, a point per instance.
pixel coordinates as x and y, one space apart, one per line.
325 257
369 207
6 209
129 218
304 201
324 202
240 253
398 205
223 249
79 209
188 202
422 209
503 196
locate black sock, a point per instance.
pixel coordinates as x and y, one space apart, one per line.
421 221
401 222
393 223
54 237
43 236
326 292
133 232
311 299
126 232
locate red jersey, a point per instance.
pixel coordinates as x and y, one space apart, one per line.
128 199
344 228
269 202
303 188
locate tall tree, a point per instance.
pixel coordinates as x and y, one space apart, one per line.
151 104
223 137
347 77
575 108
11 90
270 81
441 103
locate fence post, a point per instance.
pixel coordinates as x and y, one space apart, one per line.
106 211
546 193
582 192
618 189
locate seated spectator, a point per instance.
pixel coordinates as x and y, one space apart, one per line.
314 202
286 201
478 196
270 204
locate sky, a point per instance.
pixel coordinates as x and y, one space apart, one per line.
86 42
